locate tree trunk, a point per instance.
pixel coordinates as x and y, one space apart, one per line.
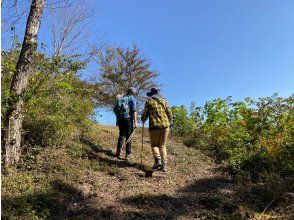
19 84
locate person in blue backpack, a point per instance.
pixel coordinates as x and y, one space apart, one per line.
125 110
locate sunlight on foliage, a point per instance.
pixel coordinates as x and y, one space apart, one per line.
252 135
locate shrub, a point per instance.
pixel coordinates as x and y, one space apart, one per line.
256 136
57 102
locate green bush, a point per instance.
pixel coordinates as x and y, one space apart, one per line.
58 104
253 136
183 124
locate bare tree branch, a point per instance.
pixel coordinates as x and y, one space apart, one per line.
69 27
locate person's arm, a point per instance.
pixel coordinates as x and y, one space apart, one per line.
115 107
168 112
114 110
133 105
135 119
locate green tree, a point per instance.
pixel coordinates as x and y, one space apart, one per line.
121 69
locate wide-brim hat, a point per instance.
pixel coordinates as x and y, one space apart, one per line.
153 91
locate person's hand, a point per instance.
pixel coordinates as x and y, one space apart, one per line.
135 124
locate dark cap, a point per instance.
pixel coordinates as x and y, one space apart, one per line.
153 91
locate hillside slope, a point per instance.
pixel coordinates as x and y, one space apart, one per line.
83 180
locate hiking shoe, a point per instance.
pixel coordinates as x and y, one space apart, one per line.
118 156
163 168
128 157
157 163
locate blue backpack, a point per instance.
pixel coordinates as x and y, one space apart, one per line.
122 108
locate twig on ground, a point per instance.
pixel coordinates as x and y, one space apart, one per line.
266 208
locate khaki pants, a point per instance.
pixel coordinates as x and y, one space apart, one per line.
158 138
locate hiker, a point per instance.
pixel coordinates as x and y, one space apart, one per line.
160 116
125 110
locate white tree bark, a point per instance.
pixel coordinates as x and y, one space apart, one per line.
19 84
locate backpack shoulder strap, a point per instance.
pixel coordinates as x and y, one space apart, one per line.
159 102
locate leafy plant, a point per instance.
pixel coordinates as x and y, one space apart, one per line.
254 136
58 104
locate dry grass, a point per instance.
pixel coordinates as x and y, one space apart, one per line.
83 180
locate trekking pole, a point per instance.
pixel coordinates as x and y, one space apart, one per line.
142 144
130 137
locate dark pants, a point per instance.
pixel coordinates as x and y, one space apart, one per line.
125 130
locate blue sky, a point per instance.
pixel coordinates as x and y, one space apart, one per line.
204 49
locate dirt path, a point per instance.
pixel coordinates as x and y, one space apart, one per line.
191 189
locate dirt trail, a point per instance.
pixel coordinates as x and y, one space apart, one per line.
191 189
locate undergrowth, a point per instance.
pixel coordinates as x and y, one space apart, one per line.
47 181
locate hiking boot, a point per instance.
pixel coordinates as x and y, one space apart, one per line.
157 163
163 168
118 155
128 157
